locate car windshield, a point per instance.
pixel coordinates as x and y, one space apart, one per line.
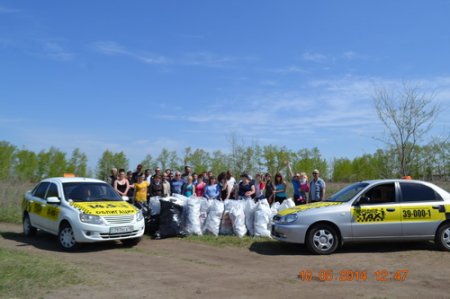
347 193
85 191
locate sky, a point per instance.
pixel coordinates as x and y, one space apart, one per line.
139 76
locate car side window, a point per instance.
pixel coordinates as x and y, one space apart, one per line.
52 191
384 193
412 192
40 191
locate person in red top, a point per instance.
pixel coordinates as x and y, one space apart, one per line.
200 187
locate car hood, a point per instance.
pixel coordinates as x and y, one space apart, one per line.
302 208
103 208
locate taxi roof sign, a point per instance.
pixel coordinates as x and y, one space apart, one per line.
69 175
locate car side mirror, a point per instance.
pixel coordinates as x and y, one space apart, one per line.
53 199
125 198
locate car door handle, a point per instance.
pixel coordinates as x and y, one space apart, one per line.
440 208
390 209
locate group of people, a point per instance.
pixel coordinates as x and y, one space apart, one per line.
140 185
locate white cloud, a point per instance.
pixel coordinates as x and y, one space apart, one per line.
114 48
314 57
57 52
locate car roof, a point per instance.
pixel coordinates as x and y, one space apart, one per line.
72 180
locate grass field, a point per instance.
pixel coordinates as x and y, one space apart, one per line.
23 275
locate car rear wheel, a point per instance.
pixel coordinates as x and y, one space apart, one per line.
130 242
28 229
442 238
322 239
66 238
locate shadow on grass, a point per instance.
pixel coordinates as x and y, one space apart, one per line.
280 248
49 242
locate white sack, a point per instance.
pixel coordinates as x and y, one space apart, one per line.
237 216
262 219
192 224
249 206
212 224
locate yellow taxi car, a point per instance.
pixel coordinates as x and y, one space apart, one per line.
378 210
80 210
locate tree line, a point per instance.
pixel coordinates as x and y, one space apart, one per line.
431 162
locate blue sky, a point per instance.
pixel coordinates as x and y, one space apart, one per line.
138 76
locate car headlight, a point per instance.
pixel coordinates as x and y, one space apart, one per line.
91 219
139 216
288 218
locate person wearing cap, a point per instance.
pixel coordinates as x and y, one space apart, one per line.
246 188
316 187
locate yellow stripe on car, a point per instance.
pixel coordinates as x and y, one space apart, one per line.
314 205
104 209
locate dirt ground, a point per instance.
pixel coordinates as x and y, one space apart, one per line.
175 268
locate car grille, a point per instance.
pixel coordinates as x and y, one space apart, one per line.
120 235
119 219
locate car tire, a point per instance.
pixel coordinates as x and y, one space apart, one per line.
28 229
442 238
130 242
66 238
322 239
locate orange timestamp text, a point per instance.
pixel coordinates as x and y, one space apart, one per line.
381 275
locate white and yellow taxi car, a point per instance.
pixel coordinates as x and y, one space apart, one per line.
81 210
379 210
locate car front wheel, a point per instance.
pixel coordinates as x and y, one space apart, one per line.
442 238
28 229
66 238
322 239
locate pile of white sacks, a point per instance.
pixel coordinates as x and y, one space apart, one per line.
229 217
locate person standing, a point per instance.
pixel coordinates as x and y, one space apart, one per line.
166 185
121 185
140 187
189 187
269 187
176 184
157 187
316 187
280 188
113 177
136 174
200 186
211 190
246 188
295 180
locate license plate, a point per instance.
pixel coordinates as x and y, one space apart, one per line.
120 229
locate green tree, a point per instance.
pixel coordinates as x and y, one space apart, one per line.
342 170
26 165
77 163
307 160
7 151
198 159
149 163
219 162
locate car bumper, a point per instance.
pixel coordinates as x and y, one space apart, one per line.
292 233
88 233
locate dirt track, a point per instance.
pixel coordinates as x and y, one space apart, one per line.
174 268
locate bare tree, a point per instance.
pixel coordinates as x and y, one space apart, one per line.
408 114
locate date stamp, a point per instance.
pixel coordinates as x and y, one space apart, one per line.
382 275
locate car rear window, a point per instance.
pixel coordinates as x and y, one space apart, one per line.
418 192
